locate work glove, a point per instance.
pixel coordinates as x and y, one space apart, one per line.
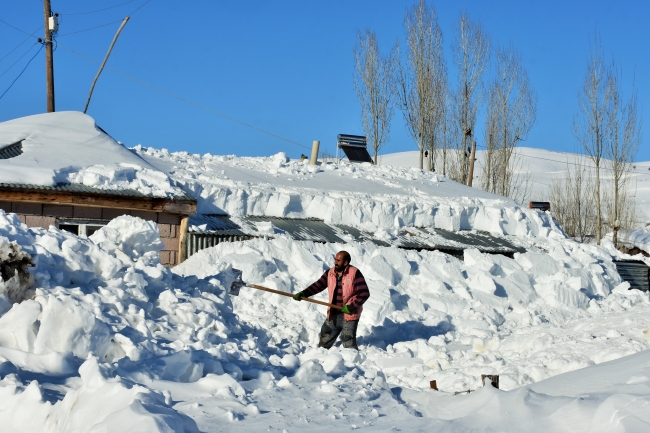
298 296
348 309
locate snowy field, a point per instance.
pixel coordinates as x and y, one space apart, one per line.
544 165
98 336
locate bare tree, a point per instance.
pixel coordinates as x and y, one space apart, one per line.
373 84
589 124
421 83
511 114
445 133
471 50
572 201
490 172
622 141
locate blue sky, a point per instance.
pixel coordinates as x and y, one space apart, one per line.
286 66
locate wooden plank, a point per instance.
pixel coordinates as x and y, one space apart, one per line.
113 201
183 207
36 197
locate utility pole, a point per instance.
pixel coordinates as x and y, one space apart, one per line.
49 60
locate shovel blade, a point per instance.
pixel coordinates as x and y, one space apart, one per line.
237 283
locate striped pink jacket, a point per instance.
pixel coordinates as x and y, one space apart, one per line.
354 287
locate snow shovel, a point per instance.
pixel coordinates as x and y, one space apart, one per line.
238 283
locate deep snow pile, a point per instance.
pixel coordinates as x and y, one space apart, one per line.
105 318
432 316
173 353
362 195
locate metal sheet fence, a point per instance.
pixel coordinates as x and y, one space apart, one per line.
197 242
634 272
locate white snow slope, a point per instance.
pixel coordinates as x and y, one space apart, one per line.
542 166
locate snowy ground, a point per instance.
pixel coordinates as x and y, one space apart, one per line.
177 354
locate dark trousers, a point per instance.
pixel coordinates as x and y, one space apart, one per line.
332 328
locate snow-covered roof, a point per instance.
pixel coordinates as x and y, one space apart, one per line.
317 230
364 196
68 147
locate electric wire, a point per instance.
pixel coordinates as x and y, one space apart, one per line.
100 10
180 98
139 7
91 28
20 44
107 24
18 60
16 28
21 72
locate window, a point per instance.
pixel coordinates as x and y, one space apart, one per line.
80 227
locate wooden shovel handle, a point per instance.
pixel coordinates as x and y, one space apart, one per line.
277 292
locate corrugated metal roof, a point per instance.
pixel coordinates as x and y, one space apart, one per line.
483 241
214 224
410 239
11 150
316 230
311 229
359 235
634 272
74 187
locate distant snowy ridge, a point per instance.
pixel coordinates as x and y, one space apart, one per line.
362 195
543 166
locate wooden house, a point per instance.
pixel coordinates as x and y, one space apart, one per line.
35 154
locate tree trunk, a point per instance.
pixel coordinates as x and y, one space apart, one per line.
599 216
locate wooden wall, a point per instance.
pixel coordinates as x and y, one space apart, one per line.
45 215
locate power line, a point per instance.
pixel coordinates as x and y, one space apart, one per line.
20 44
107 24
19 58
139 7
21 72
91 28
100 10
16 28
185 100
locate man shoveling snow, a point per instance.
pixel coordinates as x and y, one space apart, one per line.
346 287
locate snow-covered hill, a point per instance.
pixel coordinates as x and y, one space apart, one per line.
544 165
